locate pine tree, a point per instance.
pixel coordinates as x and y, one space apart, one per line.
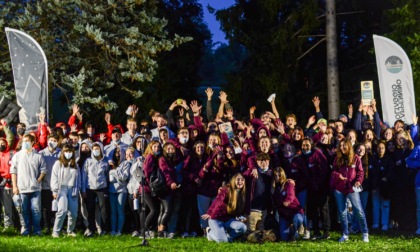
95 49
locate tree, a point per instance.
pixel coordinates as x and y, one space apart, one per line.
405 23
269 31
95 49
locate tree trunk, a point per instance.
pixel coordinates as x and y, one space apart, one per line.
332 62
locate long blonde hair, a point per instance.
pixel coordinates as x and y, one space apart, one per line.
236 197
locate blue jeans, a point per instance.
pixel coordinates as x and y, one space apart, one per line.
31 211
302 198
285 224
203 203
357 211
364 197
117 202
418 206
67 205
227 231
380 208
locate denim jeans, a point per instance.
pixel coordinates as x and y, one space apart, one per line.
418 206
31 211
67 206
284 224
364 197
357 210
203 203
380 208
225 231
117 202
302 198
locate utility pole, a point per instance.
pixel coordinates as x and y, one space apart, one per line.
332 61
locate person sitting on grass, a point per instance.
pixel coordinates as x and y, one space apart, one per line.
287 205
225 215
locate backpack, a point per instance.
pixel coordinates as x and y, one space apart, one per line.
157 182
262 236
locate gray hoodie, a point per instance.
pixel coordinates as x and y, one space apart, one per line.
28 167
50 158
135 175
96 170
73 177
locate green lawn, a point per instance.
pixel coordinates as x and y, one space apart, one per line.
392 241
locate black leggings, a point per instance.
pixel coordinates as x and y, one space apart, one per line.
166 209
137 214
102 196
153 204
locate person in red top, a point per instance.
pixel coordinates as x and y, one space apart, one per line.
225 215
347 176
287 205
6 183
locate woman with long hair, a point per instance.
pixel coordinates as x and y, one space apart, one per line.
65 186
152 155
225 215
287 205
347 176
190 189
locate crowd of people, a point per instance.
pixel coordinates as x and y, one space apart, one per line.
185 173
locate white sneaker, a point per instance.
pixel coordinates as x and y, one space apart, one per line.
365 237
306 235
384 227
343 238
418 232
55 235
71 234
135 234
170 236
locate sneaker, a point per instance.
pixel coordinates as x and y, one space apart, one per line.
117 233
315 237
170 236
365 237
55 235
301 230
384 227
375 226
343 238
286 231
306 235
325 236
207 233
151 234
88 233
272 96
39 233
112 233
185 235
135 234
71 234
162 234
102 233
25 233
418 232
193 234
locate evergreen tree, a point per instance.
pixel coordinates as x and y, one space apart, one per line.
95 49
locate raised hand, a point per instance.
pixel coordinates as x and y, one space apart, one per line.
316 101
223 97
108 118
75 109
194 107
209 93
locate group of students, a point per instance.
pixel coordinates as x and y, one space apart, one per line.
188 174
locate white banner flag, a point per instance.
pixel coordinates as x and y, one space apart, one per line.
395 81
30 72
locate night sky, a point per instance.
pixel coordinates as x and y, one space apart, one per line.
213 24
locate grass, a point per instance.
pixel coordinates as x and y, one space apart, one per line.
392 241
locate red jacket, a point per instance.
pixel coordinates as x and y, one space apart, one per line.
288 194
353 173
218 209
5 159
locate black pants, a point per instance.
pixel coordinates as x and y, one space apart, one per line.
137 216
189 214
46 205
166 209
317 206
154 204
102 196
